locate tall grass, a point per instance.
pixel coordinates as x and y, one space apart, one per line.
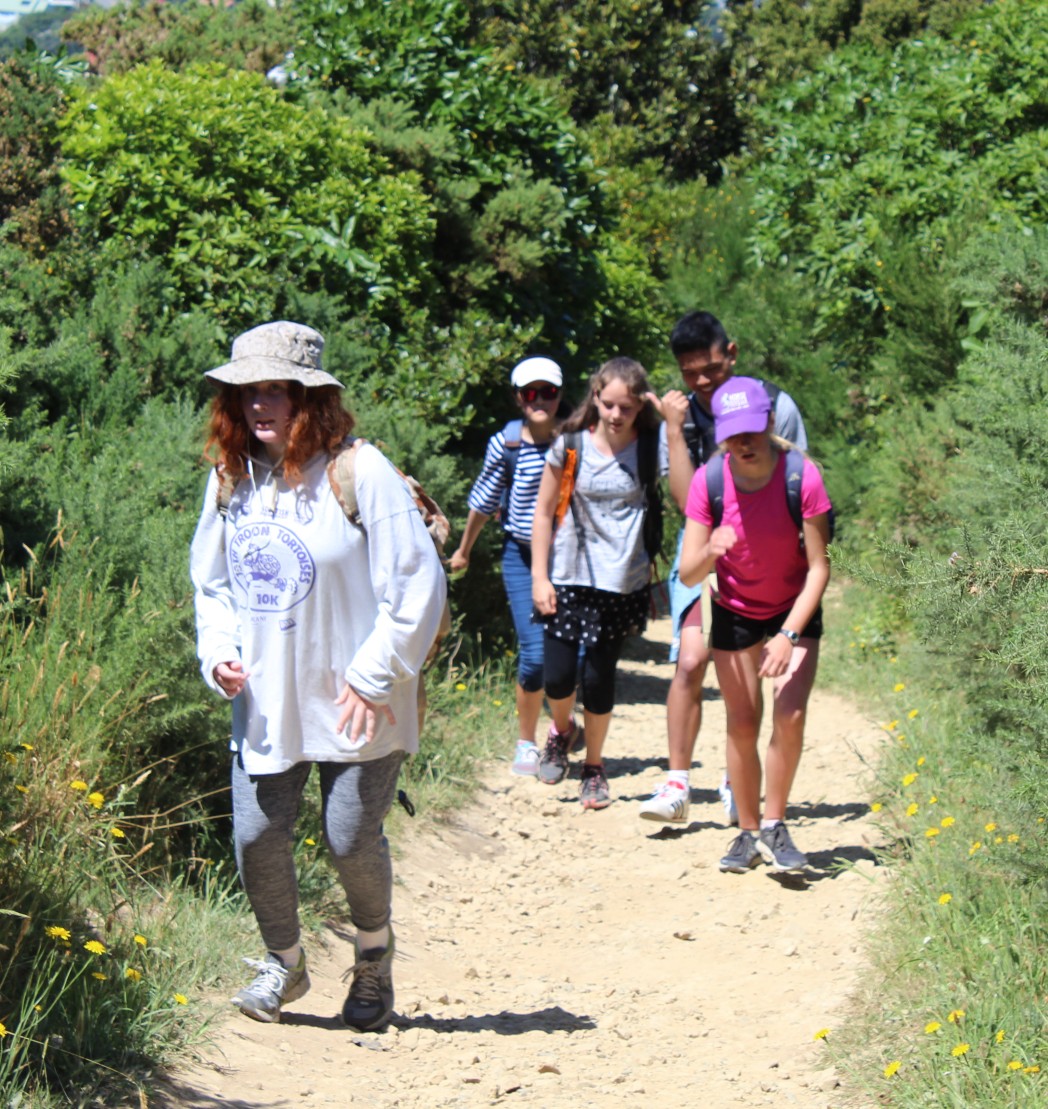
952 1012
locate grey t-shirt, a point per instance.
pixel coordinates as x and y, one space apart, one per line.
600 541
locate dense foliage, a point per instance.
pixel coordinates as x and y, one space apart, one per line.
441 187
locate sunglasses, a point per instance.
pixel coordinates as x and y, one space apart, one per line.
531 393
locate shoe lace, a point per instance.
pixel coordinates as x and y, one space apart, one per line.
741 843
367 981
271 977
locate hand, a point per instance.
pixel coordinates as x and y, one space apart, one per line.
674 409
360 715
458 561
230 677
775 657
722 540
544 596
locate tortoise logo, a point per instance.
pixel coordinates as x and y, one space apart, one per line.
271 567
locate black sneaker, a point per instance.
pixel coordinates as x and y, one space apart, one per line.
779 850
742 854
554 762
369 1004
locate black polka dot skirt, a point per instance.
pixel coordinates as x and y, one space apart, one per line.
588 615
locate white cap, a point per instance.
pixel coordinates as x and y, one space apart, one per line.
535 369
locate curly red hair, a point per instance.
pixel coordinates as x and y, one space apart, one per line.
319 423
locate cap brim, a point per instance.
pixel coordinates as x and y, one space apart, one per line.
740 423
247 371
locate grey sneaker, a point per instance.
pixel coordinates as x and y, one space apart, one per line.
525 760
779 850
742 854
369 1004
554 762
274 985
594 792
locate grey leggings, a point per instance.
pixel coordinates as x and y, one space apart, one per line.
355 799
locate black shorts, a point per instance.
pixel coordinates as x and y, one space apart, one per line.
731 631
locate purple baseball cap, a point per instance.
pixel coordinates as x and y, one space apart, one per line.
740 405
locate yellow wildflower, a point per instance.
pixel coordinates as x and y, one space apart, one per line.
460 686
913 809
909 779
117 833
79 786
1015 1064
932 1026
1035 1069
899 687
22 789
95 947
945 898
57 932
3 1030
891 725
955 1016
134 975
27 746
96 800
1013 838
976 846
99 975
961 1049
1000 1036
998 839
920 761
876 806
140 940
181 999
947 822
933 800
310 841
912 714
931 833
891 1068
821 1034
991 827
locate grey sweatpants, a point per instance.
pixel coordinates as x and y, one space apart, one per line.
355 799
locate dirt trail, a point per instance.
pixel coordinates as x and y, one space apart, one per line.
553 957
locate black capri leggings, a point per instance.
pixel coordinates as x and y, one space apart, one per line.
561 663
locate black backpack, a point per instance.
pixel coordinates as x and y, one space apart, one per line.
647 476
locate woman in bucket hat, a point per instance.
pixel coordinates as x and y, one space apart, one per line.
767 615
316 629
509 485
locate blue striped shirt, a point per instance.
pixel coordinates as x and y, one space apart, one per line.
486 494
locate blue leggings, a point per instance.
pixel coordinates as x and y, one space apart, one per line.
516 576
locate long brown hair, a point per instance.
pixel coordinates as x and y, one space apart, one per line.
633 375
318 423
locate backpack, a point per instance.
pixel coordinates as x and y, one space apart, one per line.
647 476
341 472
698 428
794 475
512 435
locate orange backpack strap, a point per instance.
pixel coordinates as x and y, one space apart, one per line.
572 453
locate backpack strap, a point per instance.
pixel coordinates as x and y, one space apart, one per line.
512 436
341 472
698 433
794 478
715 486
224 492
565 497
648 476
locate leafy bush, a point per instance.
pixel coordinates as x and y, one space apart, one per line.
183 167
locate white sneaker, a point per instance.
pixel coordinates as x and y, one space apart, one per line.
728 801
669 804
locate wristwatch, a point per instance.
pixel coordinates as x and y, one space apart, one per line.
793 637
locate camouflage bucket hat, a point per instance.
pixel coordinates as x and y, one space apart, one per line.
280 351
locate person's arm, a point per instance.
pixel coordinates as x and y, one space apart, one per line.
475 522
217 618
542 592
702 547
789 424
775 658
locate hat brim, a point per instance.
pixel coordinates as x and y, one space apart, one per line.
255 368
740 423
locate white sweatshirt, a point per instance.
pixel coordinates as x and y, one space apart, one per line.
308 602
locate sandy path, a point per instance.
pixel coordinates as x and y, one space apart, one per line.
553 957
